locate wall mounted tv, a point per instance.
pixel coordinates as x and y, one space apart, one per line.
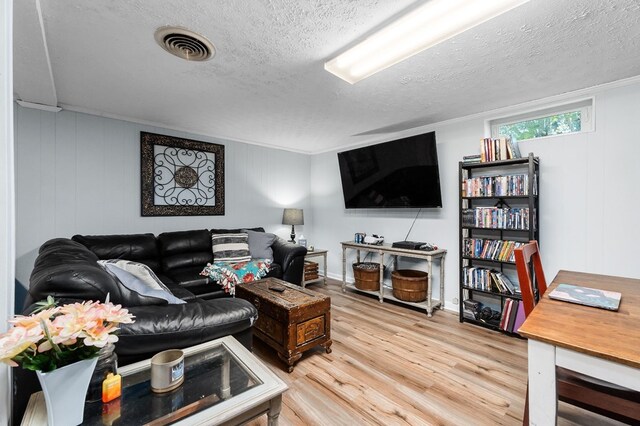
396 174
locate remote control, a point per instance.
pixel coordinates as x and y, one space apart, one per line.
279 289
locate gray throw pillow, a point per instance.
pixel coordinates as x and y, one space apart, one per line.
140 278
260 244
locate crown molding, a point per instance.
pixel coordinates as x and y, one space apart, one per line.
493 114
195 132
34 105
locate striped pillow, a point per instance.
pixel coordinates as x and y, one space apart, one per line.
230 247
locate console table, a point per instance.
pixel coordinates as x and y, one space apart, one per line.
386 249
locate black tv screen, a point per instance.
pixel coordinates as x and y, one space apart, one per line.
400 173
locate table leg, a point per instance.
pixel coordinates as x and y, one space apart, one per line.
442 282
325 268
275 406
225 386
543 398
344 269
381 296
357 256
429 287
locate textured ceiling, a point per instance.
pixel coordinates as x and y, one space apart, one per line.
267 84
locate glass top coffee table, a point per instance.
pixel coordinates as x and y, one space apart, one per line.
224 384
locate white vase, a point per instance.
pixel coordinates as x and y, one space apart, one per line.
65 390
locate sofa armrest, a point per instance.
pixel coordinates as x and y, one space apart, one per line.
291 257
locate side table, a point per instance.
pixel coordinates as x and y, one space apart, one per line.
317 253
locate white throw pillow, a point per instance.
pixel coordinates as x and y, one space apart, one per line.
140 278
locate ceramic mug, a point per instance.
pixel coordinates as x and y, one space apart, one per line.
167 370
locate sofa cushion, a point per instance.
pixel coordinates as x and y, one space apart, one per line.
137 247
190 277
230 247
260 244
184 249
139 278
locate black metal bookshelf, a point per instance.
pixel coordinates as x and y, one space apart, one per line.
529 166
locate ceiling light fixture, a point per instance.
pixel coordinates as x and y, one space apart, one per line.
420 29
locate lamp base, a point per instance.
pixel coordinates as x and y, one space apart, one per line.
293 234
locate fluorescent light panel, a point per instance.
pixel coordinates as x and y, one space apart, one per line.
420 29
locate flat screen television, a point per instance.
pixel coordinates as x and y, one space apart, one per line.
396 174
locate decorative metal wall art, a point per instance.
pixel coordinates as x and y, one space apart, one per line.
181 177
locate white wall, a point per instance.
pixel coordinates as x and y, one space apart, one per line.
7 230
589 200
80 174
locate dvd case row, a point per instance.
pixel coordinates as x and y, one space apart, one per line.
497 186
516 218
500 250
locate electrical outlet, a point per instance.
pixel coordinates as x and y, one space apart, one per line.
454 301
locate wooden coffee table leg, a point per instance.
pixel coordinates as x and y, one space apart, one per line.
275 405
327 346
290 360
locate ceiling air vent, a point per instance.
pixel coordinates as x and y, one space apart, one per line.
185 44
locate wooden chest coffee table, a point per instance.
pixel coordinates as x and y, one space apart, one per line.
292 321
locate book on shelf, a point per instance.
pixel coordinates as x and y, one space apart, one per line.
496 149
520 317
512 315
505 314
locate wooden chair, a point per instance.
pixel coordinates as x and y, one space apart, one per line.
591 394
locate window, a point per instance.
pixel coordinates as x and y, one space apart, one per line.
564 119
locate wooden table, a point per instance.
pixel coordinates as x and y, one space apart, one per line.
317 253
595 342
224 384
387 293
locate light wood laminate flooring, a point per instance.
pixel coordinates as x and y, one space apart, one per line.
391 365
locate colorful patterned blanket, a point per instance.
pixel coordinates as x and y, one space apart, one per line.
228 275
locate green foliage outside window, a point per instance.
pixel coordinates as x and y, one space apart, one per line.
558 124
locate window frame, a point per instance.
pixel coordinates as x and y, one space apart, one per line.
585 106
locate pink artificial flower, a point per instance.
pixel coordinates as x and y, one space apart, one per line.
15 341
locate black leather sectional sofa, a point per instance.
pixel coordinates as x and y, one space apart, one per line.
67 269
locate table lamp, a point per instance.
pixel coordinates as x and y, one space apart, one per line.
293 217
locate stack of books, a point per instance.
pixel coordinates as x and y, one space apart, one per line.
471 159
310 270
512 316
498 149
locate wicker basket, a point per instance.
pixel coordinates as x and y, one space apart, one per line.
367 276
409 285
